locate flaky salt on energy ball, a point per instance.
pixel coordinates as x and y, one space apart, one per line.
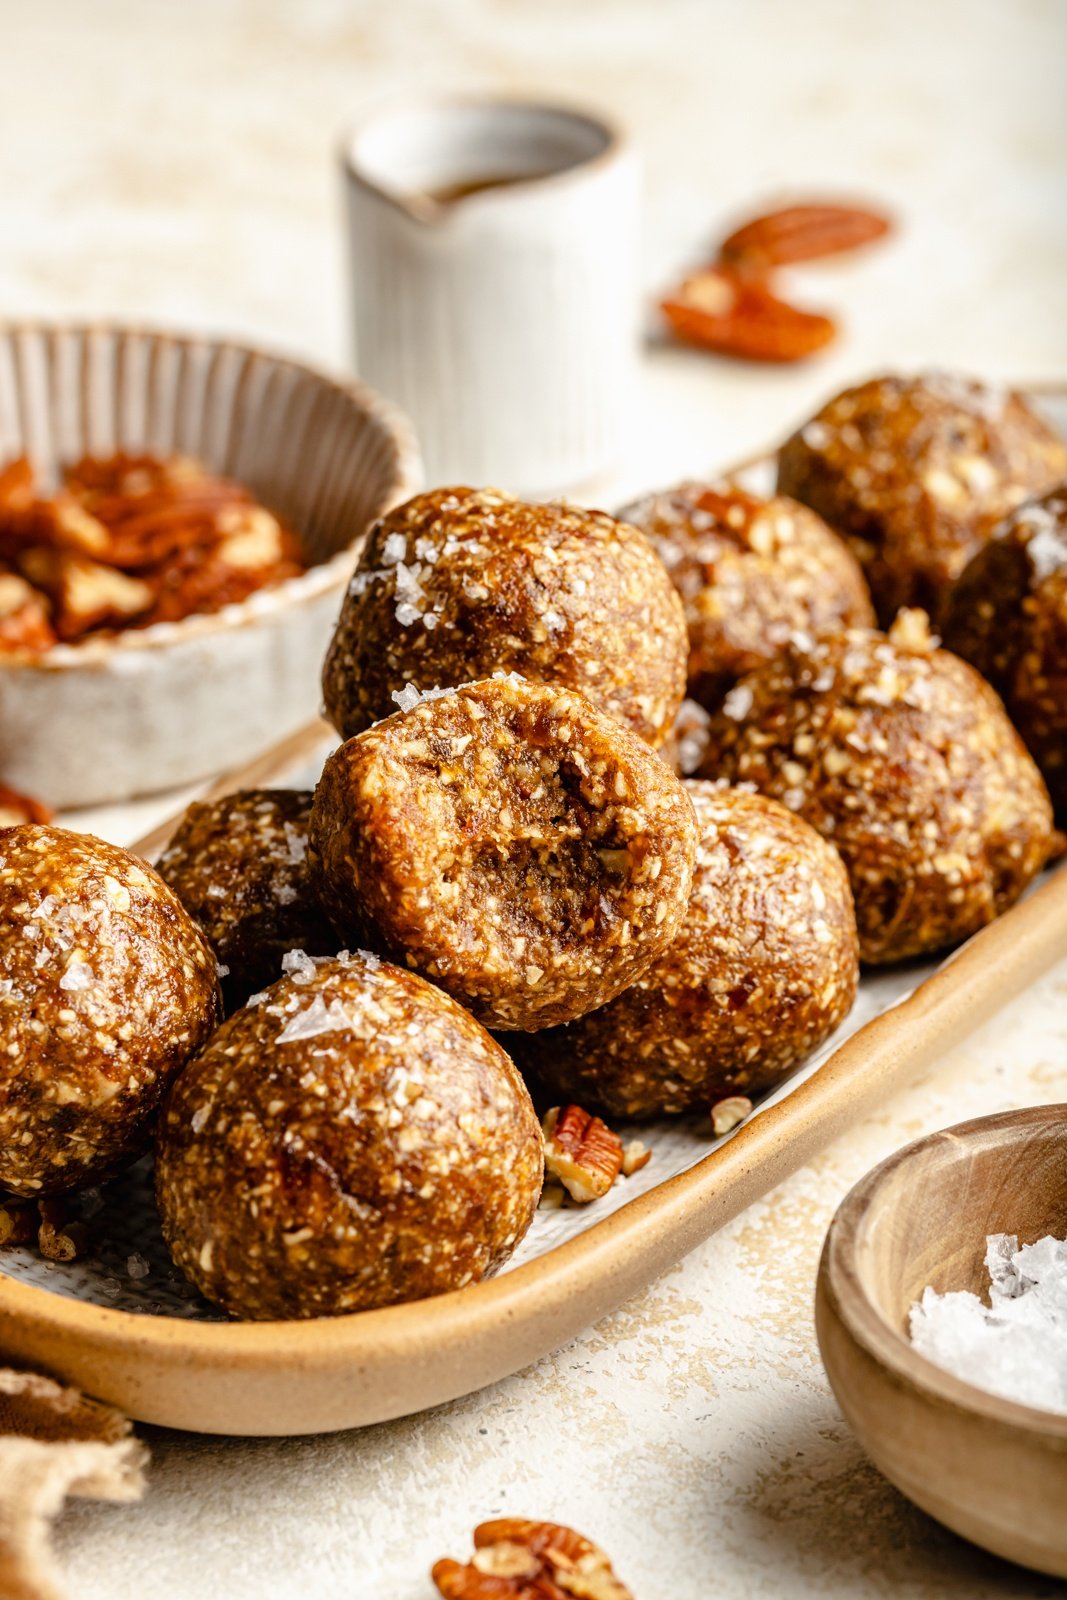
511 843
354 1139
904 758
750 572
107 987
762 970
460 583
915 473
1007 616
239 867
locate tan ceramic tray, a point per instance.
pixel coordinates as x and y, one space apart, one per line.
125 1326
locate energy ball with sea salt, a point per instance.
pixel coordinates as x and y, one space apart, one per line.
763 969
239 866
107 987
352 1140
750 573
461 583
915 473
510 842
904 758
1007 616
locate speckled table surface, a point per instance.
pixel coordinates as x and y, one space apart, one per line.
174 163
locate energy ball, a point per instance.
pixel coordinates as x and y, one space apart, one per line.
763 969
353 1140
904 758
107 987
461 583
750 572
915 473
511 843
1007 616
239 867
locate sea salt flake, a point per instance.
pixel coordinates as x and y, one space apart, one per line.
317 1018
1016 1345
295 843
77 976
136 1266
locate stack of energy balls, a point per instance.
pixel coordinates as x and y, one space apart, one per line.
621 805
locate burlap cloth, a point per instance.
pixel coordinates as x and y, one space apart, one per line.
54 1443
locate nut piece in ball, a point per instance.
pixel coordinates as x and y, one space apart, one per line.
511 843
238 865
750 572
904 758
107 987
1007 616
763 969
353 1140
461 583
915 473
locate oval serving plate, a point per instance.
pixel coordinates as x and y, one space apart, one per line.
144 1341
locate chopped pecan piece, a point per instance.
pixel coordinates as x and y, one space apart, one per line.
581 1152
635 1156
83 593
727 1114
24 623
516 1559
19 1221
63 1235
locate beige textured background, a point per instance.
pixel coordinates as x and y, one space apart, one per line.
174 162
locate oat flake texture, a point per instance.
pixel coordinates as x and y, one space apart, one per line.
763 969
751 572
915 473
354 1140
460 583
904 758
107 987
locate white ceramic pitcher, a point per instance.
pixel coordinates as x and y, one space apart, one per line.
495 283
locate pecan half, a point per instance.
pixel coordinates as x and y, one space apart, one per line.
581 1152
800 233
16 808
735 315
516 1559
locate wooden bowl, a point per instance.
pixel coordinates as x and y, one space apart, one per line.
108 718
991 1469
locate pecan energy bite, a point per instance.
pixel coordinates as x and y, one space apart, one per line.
763 969
915 473
904 758
107 987
239 866
355 1139
750 573
1007 616
510 842
458 584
